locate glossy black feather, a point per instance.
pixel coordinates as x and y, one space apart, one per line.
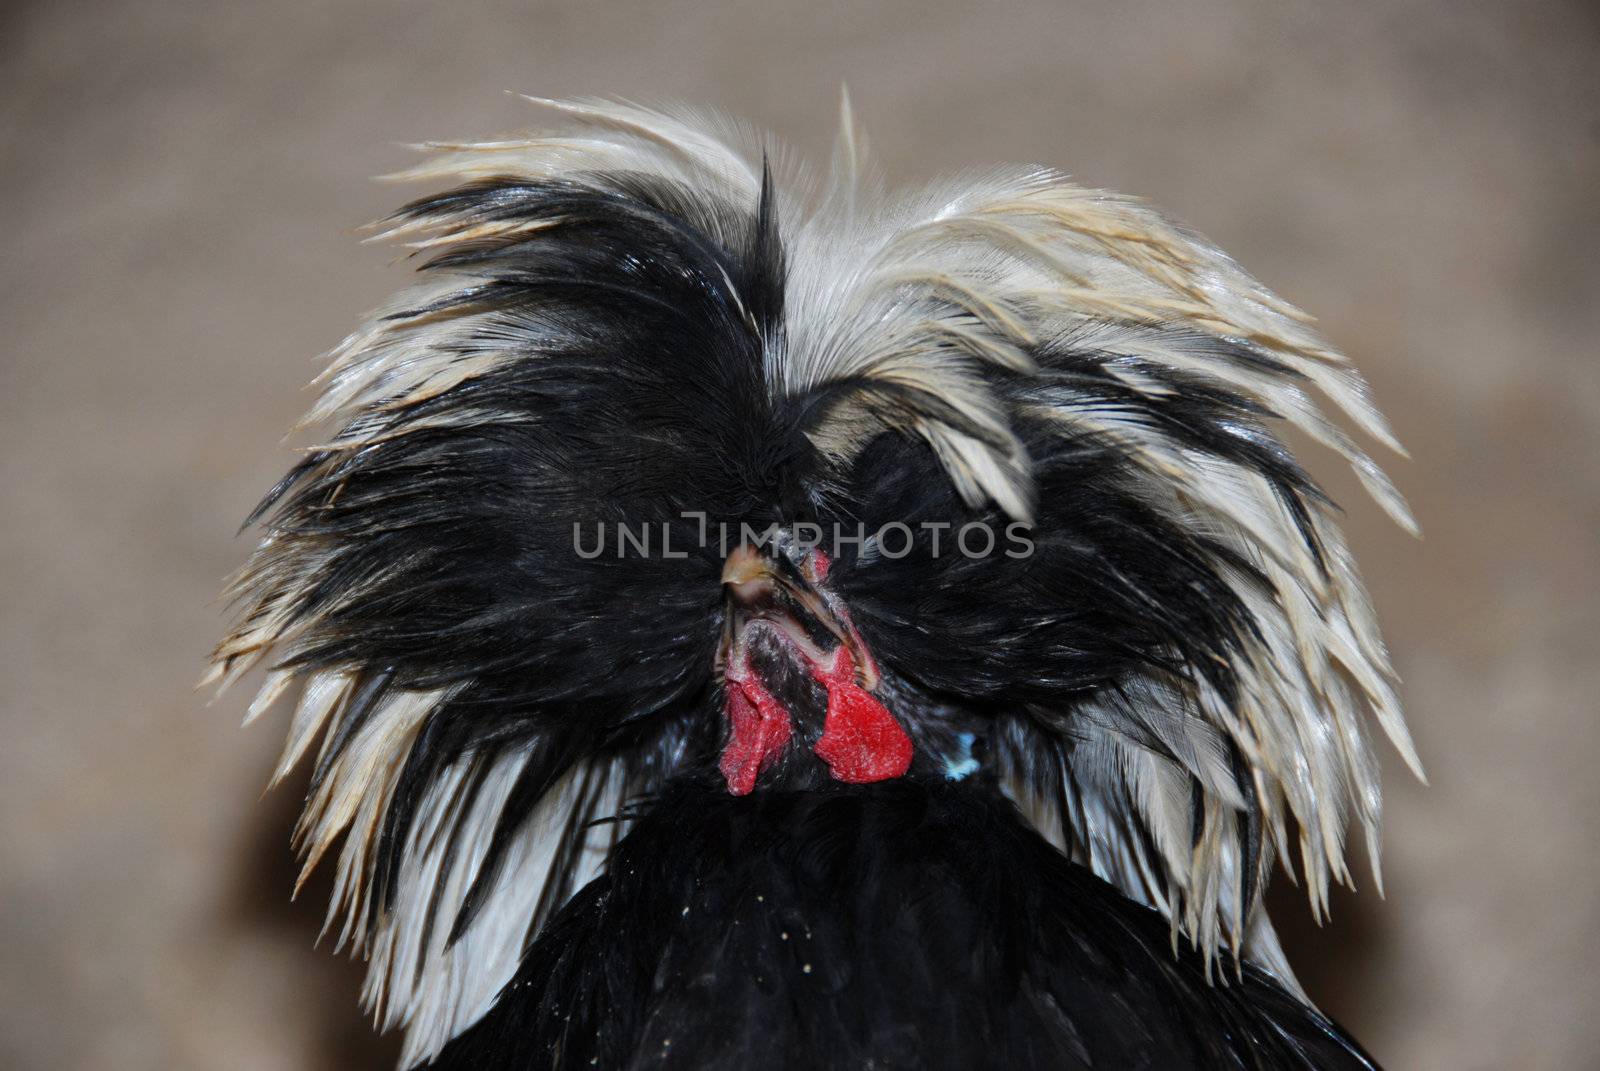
902 925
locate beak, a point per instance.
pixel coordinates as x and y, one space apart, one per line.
771 587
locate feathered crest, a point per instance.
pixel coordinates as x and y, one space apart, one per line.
950 314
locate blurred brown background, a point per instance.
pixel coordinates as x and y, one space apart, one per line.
179 186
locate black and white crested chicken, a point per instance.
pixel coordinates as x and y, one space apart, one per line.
755 619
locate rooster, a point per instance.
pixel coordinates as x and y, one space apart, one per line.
753 617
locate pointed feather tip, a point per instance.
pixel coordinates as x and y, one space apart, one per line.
209 677
583 108
849 136
1414 763
223 674
425 169
1399 734
405 174
1375 865
542 102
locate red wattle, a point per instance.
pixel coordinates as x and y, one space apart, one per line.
861 742
759 730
